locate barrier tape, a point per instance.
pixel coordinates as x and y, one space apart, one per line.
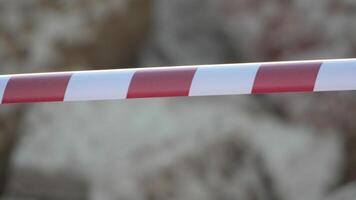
226 79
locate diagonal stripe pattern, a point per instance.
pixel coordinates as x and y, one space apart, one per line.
228 79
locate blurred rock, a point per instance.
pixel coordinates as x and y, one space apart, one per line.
287 30
42 35
345 193
46 35
241 30
144 148
224 168
9 124
332 110
278 30
34 184
214 31
106 146
114 40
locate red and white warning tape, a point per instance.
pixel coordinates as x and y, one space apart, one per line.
251 78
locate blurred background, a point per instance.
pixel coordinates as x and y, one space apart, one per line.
273 147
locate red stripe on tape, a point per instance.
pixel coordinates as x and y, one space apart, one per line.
286 77
36 88
161 83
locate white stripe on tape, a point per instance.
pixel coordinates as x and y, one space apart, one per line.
3 83
102 85
336 75
223 80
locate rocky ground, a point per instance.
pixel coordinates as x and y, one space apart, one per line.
290 146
